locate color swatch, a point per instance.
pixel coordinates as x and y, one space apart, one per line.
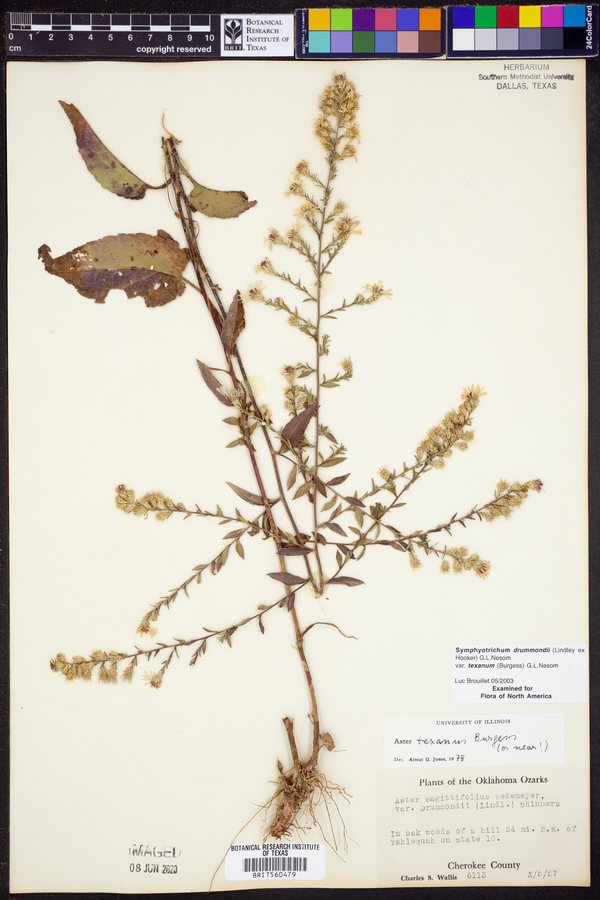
370 33
558 30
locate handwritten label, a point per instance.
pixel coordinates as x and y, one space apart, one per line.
424 741
509 673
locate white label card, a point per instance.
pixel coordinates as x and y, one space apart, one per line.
518 826
509 673
284 862
423 741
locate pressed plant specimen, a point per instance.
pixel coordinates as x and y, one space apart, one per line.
319 528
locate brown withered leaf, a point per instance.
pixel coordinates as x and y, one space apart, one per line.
345 579
219 204
139 264
213 384
328 741
248 496
234 323
294 551
287 578
295 428
103 165
337 528
339 479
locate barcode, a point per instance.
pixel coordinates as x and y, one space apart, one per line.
278 864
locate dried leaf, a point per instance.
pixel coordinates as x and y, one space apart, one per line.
333 462
337 528
103 165
248 496
139 264
240 549
234 323
328 741
354 502
320 486
338 479
292 477
303 489
287 578
222 204
345 579
214 385
294 551
295 428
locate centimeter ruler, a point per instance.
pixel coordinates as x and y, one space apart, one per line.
139 36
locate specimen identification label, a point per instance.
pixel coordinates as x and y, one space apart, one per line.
423 741
256 36
291 862
493 826
505 673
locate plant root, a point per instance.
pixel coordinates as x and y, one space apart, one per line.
301 790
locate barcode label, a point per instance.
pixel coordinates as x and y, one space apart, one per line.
249 862
278 864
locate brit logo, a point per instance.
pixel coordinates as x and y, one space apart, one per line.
233 32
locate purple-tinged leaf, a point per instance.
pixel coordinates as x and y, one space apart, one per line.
222 204
234 323
295 428
214 385
345 579
290 601
337 528
103 165
140 264
320 486
248 496
287 578
294 551
338 479
354 502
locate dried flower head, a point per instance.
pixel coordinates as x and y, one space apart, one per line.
154 679
451 431
375 291
347 366
340 100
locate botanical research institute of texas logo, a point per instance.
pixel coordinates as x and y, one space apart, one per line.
233 34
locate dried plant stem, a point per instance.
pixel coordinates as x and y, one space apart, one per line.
218 315
319 272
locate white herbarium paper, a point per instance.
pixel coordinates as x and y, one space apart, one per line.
471 201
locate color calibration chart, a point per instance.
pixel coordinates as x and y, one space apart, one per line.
382 33
531 30
559 30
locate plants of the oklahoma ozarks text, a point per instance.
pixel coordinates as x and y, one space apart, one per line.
316 520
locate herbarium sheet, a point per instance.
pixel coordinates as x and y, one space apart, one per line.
298 475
